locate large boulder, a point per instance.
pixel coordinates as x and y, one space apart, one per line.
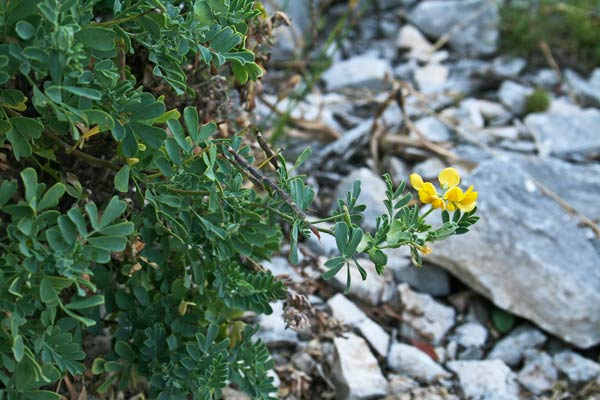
479 37
572 134
528 255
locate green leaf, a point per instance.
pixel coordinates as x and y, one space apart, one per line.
7 190
114 210
124 351
47 292
22 132
97 38
190 117
178 134
205 132
334 265
51 197
18 348
110 243
122 179
503 321
341 236
25 30
88 93
29 177
120 229
357 235
40 395
88 302
150 135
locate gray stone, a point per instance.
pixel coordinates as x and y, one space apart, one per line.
409 360
433 129
465 76
492 112
508 133
348 313
539 373
470 334
368 291
429 279
508 68
412 39
423 317
587 90
356 372
546 78
281 266
363 71
572 136
577 184
288 39
401 384
372 194
430 168
485 380
272 328
577 368
514 96
511 348
436 18
431 78
524 243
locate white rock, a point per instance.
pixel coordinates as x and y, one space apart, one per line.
412 39
546 78
411 361
401 384
356 371
431 78
510 133
577 368
514 96
470 334
372 194
368 291
429 279
494 113
511 348
572 136
438 17
377 337
364 71
424 317
430 168
539 373
348 313
281 266
433 129
505 67
272 328
485 380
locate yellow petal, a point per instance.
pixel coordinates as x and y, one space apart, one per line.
449 177
426 250
450 206
429 188
424 197
437 202
454 194
469 198
416 181
467 207
93 131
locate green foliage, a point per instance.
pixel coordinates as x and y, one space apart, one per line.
130 214
570 28
538 101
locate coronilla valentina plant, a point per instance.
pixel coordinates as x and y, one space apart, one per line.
130 210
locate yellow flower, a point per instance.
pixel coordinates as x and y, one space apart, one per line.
427 192
449 178
463 201
451 198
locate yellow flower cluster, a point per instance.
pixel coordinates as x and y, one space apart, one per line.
451 198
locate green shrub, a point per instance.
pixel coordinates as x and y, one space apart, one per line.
126 210
570 28
537 101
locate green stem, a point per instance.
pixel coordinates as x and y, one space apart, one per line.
318 221
427 212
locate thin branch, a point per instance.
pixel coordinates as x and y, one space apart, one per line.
265 182
97 162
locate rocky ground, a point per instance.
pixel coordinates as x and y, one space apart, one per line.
412 88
